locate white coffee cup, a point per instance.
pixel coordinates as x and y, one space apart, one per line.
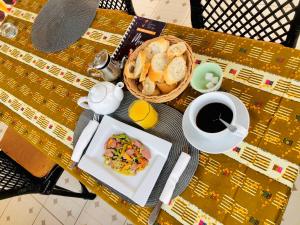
223 140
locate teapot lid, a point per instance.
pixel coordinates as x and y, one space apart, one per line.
98 93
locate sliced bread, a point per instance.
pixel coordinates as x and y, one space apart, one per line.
159 46
139 64
176 70
148 86
165 88
145 71
176 50
148 52
159 63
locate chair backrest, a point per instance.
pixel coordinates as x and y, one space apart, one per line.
14 180
267 20
124 5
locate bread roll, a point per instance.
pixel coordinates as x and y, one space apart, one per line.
129 70
139 64
165 88
176 70
176 50
159 63
159 46
148 53
148 86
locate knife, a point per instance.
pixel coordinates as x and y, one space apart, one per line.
169 188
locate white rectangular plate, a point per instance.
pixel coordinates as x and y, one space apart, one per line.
138 187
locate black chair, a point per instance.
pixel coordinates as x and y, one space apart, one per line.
267 20
124 5
15 180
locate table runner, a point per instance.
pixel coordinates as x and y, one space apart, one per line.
249 184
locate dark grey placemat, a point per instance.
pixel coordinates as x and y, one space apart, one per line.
168 128
62 22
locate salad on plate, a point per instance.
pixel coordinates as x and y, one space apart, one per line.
125 155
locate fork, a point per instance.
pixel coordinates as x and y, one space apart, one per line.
84 139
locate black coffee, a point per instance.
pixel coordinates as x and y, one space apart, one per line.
208 117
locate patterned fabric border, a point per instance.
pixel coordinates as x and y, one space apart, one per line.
91 34
23 14
103 37
46 124
266 163
188 214
52 69
275 84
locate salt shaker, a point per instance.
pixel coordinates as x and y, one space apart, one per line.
105 67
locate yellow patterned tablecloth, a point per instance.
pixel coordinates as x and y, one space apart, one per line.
251 184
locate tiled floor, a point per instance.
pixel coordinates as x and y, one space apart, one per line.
160 10
54 210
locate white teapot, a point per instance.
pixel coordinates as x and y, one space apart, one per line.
104 98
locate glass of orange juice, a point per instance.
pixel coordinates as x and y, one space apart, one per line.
143 114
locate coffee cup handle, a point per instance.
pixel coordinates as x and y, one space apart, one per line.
82 102
241 131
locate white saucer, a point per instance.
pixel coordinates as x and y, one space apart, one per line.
216 146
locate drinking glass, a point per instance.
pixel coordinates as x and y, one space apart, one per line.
8 30
143 114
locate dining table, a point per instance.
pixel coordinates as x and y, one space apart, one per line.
249 184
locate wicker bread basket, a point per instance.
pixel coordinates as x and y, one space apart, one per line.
132 84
